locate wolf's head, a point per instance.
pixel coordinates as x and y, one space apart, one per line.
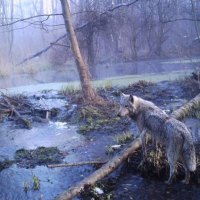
128 105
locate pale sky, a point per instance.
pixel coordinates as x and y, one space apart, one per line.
46 4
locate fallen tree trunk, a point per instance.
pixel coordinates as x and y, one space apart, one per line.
97 162
187 109
102 172
123 155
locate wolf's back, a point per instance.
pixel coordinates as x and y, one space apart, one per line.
166 128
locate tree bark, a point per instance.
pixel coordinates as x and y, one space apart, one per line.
186 109
11 36
195 20
89 93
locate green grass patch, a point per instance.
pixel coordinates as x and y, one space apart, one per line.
124 138
36 183
70 89
130 79
93 118
39 156
92 124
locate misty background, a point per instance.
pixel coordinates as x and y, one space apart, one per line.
117 37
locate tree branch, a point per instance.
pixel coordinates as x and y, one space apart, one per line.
76 29
97 162
180 19
121 5
32 17
42 51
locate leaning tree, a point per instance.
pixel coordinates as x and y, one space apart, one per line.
89 92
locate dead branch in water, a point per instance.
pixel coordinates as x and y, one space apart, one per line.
77 164
116 161
26 122
186 109
22 111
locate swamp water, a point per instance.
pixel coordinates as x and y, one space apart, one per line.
43 183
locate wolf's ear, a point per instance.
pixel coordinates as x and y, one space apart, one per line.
131 99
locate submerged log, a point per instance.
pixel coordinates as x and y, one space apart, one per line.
116 161
187 109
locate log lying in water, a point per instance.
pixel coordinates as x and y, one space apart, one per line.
123 155
97 162
186 109
102 172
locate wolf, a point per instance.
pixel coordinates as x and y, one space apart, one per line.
169 132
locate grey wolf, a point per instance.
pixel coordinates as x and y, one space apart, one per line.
169 132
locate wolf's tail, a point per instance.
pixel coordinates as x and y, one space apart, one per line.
189 155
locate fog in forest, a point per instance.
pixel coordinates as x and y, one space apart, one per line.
116 37
85 84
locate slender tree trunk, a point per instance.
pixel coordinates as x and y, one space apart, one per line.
11 38
89 93
195 20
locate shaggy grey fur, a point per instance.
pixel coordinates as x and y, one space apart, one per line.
168 131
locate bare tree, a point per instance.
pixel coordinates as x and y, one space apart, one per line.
11 39
109 31
89 93
195 22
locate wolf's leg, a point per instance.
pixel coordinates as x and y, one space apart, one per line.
173 152
172 173
187 171
172 165
144 150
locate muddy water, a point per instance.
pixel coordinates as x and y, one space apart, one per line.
137 188
18 182
47 135
52 181
76 147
